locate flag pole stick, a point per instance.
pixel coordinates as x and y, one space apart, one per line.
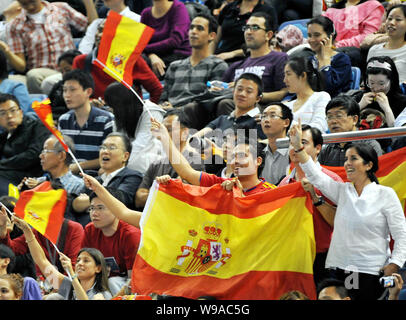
76 161
126 84
11 213
59 252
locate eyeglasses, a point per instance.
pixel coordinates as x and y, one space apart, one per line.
380 84
338 116
111 147
270 116
96 208
12 111
252 27
49 151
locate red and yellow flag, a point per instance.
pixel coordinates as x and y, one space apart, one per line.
209 242
391 173
43 208
44 112
122 42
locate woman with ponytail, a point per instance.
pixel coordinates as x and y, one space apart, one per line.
367 215
304 80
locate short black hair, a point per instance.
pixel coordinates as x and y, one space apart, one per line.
339 285
113 191
316 134
253 77
83 78
213 24
4 97
6 252
124 137
345 102
285 110
68 56
270 24
183 120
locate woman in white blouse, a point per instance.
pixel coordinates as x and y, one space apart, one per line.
367 214
303 79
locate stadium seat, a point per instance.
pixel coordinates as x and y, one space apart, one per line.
355 78
301 24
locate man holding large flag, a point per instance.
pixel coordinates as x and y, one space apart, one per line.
20 143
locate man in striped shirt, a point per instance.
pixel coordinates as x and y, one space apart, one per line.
88 126
186 79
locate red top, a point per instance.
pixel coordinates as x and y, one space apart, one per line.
74 238
122 245
322 230
142 76
207 180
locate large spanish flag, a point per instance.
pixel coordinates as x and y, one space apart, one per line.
122 42
43 208
209 242
44 113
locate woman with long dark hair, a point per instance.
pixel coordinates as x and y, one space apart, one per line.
89 279
304 80
334 66
367 215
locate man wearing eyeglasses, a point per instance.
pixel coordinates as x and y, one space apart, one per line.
342 115
260 60
116 239
275 122
113 157
20 143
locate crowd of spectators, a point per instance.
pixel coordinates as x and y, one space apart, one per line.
210 71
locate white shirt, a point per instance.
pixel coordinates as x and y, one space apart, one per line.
362 224
313 111
86 44
400 119
107 177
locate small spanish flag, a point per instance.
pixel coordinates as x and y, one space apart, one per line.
43 208
44 112
13 191
122 42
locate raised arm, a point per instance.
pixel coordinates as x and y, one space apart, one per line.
115 206
177 160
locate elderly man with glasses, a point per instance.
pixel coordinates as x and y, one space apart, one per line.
20 143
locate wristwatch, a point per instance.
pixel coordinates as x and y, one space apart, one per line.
319 203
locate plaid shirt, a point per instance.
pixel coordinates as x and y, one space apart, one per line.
42 44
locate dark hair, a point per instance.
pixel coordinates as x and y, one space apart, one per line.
59 148
285 110
294 295
341 4
301 65
393 74
253 77
127 108
326 23
400 6
101 281
345 102
3 66
213 24
126 140
183 120
113 191
68 56
4 97
6 252
338 284
270 24
316 134
83 78
368 154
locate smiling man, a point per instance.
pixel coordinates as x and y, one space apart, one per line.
113 157
20 143
88 126
342 115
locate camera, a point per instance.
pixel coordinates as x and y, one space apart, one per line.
387 282
199 144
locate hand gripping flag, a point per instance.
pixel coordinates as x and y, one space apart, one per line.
122 42
209 242
44 112
43 208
